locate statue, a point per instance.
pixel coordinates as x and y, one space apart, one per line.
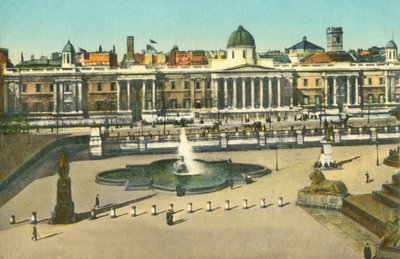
63 169
319 185
392 235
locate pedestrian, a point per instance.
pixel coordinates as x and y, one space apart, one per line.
170 218
367 177
97 202
367 252
231 184
35 233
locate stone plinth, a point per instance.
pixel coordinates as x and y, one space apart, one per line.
64 210
324 201
326 155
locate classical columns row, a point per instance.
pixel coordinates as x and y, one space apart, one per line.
335 86
60 100
128 95
234 96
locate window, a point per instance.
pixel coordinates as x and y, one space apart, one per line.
209 103
173 85
370 98
67 88
187 104
306 100
99 106
208 85
23 88
50 107
173 104
113 86
197 104
99 87
67 58
37 87
198 85
318 100
244 53
51 88
305 82
369 81
37 107
187 85
381 81
381 98
318 82
25 107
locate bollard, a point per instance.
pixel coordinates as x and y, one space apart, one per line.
280 202
153 210
227 207
12 219
133 211
92 214
245 204
262 203
190 208
171 207
112 213
34 217
208 206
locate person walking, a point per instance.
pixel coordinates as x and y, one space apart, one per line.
367 252
367 177
35 233
97 204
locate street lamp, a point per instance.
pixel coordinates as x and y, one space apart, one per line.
276 156
377 151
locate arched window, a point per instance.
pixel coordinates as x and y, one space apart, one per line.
67 58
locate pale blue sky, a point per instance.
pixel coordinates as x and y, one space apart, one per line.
43 26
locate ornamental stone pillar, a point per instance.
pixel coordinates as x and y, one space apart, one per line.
326 90
252 92
348 91
61 105
143 95
261 92
291 91
234 93
153 95
243 93
270 92
55 99
279 92
128 94
356 91
225 93
335 91
118 96
386 87
215 92
80 96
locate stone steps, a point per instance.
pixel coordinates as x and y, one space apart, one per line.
391 189
367 211
396 179
386 198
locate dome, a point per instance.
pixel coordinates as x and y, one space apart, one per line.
68 47
391 45
241 37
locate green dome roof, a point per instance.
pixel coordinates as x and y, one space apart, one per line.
68 47
241 37
391 45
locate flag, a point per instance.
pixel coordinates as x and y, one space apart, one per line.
150 48
152 41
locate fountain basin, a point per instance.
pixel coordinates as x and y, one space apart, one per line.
161 175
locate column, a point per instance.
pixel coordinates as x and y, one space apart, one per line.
279 92
74 97
243 93
80 96
17 97
326 90
153 95
356 91
61 105
386 87
55 99
234 93
252 92
144 95
270 92
215 92
291 91
261 92
334 90
128 95
348 91
118 96
225 93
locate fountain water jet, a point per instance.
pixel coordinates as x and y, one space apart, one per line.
186 164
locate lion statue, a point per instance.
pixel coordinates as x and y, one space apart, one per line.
320 185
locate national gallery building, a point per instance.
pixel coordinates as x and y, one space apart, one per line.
242 84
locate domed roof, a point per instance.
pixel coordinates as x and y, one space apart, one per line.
241 37
391 45
68 47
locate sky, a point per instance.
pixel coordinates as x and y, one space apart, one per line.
41 27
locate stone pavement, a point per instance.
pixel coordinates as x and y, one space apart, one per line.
274 232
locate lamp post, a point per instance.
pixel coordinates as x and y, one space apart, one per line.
369 110
377 151
276 156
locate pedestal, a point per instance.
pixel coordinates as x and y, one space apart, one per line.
326 155
64 210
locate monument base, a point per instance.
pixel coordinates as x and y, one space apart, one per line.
64 210
324 201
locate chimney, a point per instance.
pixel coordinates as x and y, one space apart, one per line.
130 48
32 57
22 57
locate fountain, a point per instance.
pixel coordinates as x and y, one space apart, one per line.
184 175
186 164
